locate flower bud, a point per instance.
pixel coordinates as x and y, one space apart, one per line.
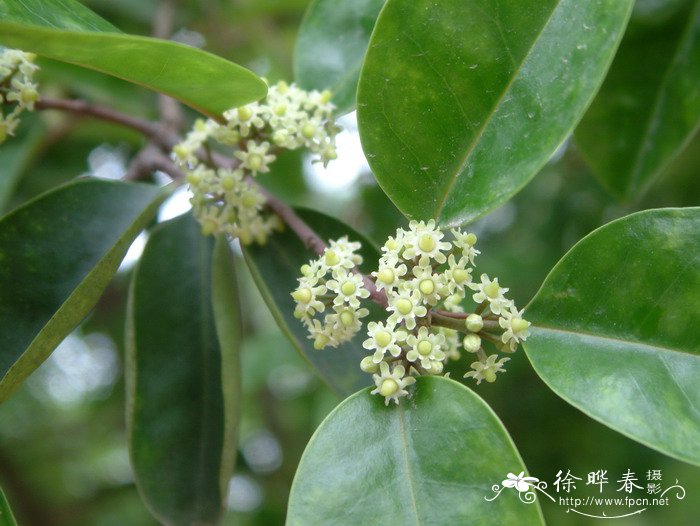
244 113
302 295
474 323
368 366
471 342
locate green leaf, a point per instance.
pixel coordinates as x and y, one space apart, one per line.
647 109
332 42
6 517
615 331
16 154
460 103
275 268
183 373
431 460
57 254
205 82
60 14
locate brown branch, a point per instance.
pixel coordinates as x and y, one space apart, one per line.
83 108
150 159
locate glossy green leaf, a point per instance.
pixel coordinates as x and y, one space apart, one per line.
60 30
57 254
275 269
615 329
461 102
6 517
331 46
647 109
62 14
431 460
183 373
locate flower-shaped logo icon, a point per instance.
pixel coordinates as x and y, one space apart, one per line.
519 482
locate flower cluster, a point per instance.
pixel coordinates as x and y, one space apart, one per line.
330 282
224 200
428 281
16 88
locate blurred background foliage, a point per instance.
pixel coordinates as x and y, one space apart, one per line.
63 456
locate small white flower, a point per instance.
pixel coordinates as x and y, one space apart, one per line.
306 297
405 306
383 338
465 242
424 241
491 291
487 370
391 384
516 328
256 157
389 275
457 275
432 287
349 288
426 347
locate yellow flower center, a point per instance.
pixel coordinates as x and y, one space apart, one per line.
460 275
255 161
308 130
404 306
386 276
425 348
244 113
491 290
321 341
427 286
389 387
519 324
348 288
332 258
347 317
383 338
426 243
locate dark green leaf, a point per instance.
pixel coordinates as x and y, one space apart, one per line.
15 155
6 517
332 42
647 109
615 329
183 373
460 102
275 268
432 460
199 79
57 254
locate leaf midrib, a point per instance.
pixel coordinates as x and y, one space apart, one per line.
409 472
605 337
480 133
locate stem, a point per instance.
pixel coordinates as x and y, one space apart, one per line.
445 321
80 107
